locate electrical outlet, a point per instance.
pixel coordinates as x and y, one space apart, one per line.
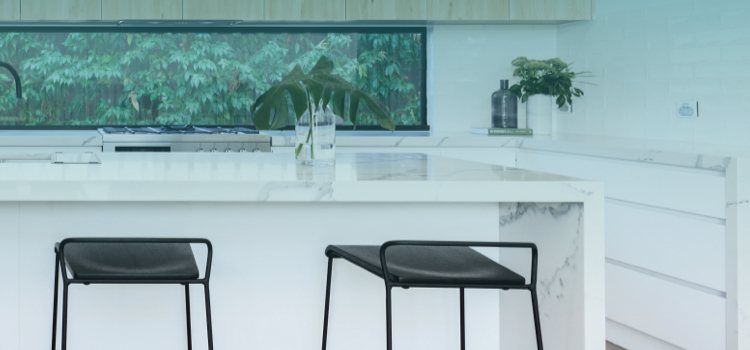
687 109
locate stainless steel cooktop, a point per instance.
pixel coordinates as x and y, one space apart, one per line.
186 138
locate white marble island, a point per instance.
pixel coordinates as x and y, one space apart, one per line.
270 220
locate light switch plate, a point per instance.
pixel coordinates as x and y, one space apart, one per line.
687 109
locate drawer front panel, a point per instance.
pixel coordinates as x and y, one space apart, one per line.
686 248
679 315
629 338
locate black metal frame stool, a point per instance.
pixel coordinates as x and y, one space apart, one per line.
129 261
431 264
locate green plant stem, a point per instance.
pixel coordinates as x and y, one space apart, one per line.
310 114
310 136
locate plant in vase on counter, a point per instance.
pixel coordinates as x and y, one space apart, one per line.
542 80
316 98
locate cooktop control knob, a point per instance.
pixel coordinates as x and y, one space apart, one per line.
214 150
242 150
199 150
228 150
256 151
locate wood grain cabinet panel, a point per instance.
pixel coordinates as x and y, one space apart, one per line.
305 10
61 10
550 9
10 9
141 9
386 9
247 10
467 10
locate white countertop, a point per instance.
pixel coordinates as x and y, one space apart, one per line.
705 156
42 138
275 177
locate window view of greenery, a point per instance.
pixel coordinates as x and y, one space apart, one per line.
78 79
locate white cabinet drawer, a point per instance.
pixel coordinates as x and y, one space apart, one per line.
686 248
683 189
679 315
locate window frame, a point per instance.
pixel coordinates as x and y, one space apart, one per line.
180 27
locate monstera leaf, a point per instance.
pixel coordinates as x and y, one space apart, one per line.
271 111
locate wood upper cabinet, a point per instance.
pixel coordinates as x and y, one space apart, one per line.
61 10
551 9
300 10
467 10
10 9
141 9
247 10
305 10
386 9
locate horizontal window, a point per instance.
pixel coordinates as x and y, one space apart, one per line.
92 77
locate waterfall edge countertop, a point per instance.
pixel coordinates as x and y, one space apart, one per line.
271 177
270 220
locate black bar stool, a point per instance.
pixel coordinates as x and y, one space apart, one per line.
130 261
429 264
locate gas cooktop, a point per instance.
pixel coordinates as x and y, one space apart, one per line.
179 130
186 138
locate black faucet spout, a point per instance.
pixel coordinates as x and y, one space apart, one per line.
15 77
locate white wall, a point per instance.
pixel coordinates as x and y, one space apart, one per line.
466 65
647 55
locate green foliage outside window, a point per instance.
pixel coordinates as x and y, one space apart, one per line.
193 78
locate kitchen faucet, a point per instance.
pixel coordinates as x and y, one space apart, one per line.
15 77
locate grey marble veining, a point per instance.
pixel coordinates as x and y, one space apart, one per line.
557 230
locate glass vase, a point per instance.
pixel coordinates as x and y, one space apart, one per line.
316 137
504 108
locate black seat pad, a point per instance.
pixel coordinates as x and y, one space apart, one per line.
131 261
429 264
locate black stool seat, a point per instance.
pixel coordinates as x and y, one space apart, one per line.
125 261
91 261
429 265
435 264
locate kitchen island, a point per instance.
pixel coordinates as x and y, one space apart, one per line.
270 221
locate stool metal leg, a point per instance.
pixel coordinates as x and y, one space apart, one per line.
64 336
388 322
54 303
463 322
208 318
537 324
187 313
328 300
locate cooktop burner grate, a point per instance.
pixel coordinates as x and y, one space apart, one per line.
179 130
